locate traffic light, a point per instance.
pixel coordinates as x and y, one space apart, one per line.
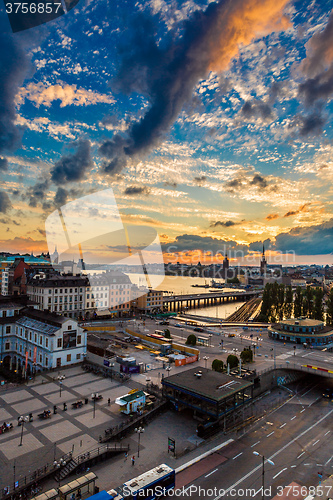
55 409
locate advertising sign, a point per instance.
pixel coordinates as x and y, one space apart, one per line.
171 445
26 360
69 339
35 354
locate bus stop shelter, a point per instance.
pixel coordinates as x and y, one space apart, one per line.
84 483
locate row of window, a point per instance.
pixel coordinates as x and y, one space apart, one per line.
70 299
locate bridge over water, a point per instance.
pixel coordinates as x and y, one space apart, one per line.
197 300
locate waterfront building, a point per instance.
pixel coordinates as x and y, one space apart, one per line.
309 332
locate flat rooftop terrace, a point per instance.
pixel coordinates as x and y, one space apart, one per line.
213 385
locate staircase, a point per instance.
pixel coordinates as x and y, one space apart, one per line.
67 470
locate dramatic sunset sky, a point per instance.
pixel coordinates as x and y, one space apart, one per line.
211 122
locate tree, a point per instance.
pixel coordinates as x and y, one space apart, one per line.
167 333
217 365
318 308
308 302
191 340
279 305
288 302
246 355
298 302
232 361
329 310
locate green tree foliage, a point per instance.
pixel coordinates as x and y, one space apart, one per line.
308 297
246 355
298 303
288 303
232 361
191 340
167 333
233 280
318 306
329 310
217 365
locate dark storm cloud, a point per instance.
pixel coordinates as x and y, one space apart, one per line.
227 223
170 184
256 108
313 240
3 164
234 185
272 216
257 246
137 190
311 124
15 66
73 167
60 197
36 193
5 203
318 66
259 181
200 180
167 75
190 242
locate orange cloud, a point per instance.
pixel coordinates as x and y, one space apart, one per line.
239 22
271 216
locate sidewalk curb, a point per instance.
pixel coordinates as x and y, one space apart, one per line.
204 455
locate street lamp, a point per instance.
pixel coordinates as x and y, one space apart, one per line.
139 431
205 358
60 378
95 397
58 465
22 421
263 472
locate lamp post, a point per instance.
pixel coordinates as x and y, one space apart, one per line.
22 420
263 471
205 358
139 431
58 465
94 397
60 378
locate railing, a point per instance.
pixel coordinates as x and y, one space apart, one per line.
293 366
30 482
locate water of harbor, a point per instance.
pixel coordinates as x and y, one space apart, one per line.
182 285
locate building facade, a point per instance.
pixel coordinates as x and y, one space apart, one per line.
32 341
309 332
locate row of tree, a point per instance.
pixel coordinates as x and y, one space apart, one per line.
279 302
233 361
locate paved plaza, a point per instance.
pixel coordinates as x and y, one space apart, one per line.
75 430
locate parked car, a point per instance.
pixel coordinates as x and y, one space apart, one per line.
164 323
198 329
328 393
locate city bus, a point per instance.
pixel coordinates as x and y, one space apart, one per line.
149 485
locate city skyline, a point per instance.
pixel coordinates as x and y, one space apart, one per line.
210 121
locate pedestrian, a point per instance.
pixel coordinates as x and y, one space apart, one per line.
109 402
126 456
78 495
133 460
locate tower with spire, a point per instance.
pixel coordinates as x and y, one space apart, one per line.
225 266
55 256
263 263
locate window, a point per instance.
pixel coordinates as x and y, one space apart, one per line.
55 300
65 299
50 291
50 300
40 358
46 342
41 340
65 290
69 357
8 329
56 290
60 300
30 335
35 338
78 340
46 361
88 304
59 344
71 290
88 295
69 327
78 356
7 346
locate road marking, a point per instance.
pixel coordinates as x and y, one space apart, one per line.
270 434
299 456
292 466
293 418
188 488
276 475
211 473
255 444
316 442
253 471
327 433
328 461
302 410
282 425
239 454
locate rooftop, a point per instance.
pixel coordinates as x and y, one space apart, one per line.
211 384
301 322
